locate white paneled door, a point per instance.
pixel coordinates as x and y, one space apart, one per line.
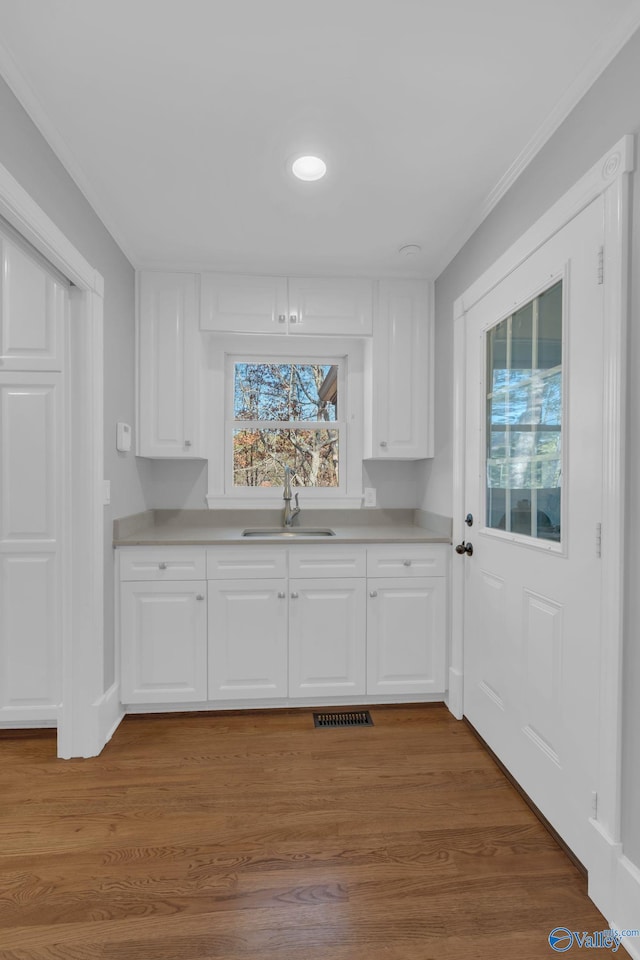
532 629
32 499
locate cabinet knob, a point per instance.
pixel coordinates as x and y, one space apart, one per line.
407 563
162 566
383 443
187 443
293 318
294 596
282 318
281 595
200 596
373 593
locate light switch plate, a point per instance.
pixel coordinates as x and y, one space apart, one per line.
106 494
123 437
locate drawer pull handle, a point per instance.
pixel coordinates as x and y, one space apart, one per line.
200 596
294 596
373 593
281 595
407 563
162 566
383 443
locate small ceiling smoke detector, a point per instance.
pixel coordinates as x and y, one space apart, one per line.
410 250
309 168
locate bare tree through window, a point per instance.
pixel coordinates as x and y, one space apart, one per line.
285 414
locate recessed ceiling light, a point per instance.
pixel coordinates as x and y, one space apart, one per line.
410 250
309 168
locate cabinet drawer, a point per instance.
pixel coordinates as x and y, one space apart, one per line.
407 560
162 563
233 563
340 560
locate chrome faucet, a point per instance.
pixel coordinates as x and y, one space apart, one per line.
289 514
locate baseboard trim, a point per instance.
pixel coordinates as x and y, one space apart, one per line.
454 699
614 887
626 915
306 703
109 713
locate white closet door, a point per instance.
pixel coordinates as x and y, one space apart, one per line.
32 311
33 320
31 496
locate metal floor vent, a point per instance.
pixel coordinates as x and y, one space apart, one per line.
353 718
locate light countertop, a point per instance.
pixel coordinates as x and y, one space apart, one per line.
223 527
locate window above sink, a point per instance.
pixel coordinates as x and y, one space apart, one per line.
285 414
288 403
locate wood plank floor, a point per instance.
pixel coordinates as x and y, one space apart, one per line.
258 837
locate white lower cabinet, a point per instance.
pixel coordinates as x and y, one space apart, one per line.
327 637
163 641
247 639
315 623
406 625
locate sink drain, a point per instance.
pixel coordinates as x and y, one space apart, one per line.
353 718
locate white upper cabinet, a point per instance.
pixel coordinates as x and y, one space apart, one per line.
241 304
331 307
400 405
32 313
169 359
298 306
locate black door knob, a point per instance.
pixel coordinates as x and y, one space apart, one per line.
465 548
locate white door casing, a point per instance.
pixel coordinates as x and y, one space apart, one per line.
609 178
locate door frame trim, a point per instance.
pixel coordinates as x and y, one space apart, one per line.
79 727
609 177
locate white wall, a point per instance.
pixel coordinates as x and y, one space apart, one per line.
610 109
27 156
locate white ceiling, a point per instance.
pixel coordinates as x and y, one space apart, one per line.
177 117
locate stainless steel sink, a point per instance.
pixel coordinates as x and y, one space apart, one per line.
285 533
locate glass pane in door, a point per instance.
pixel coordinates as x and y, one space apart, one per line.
524 419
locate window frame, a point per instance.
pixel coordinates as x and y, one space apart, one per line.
560 546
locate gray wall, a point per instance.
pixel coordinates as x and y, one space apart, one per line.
25 153
610 109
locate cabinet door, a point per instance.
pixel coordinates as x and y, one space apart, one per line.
327 637
406 635
31 546
402 407
168 366
163 641
247 639
330 306
32 313
241 304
